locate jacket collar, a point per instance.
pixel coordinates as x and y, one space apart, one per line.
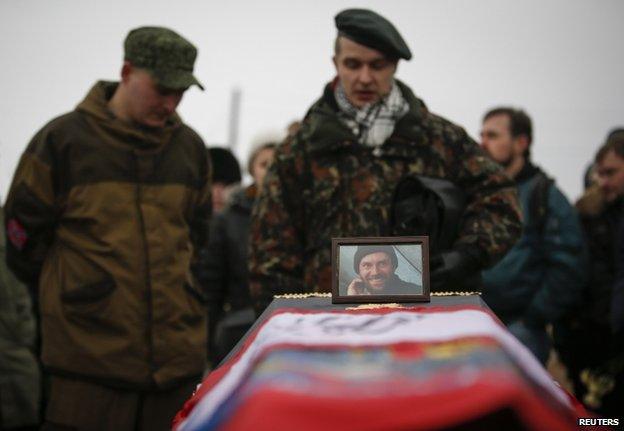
243 198
95 104
327 133
527 172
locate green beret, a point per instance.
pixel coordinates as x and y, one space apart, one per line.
372 30
165 54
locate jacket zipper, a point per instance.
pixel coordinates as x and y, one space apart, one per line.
148 281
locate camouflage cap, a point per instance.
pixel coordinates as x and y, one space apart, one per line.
372 30
165 54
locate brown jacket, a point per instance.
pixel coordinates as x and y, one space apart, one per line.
107 217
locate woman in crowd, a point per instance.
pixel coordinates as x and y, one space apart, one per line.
223 271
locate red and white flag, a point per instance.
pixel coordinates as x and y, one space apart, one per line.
390 369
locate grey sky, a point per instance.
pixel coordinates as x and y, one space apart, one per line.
561 60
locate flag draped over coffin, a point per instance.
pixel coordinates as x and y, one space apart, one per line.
422 368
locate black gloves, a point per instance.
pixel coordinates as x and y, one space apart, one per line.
427 206
416 210
455 270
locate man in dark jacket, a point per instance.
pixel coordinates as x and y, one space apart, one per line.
588 347
20 386
106 208
226 176
542 276
337 176
617 297
223 268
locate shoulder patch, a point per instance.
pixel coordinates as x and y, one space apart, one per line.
16 234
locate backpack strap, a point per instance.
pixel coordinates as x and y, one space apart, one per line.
538 202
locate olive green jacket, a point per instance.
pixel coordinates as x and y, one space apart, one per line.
20 389
106 216
323 184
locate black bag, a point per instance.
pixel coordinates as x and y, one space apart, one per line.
428 206
433 207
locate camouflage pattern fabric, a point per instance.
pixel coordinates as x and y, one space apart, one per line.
165 54
323 184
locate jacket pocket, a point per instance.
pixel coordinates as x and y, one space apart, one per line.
90 292
197 310
196 293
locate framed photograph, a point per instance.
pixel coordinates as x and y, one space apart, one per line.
380 269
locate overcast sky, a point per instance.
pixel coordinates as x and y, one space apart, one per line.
561 60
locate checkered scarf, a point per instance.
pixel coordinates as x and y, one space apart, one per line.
373 123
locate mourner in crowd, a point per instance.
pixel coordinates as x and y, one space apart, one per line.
585 338
376 267
104 210
338 175
226 175
20 384
543 275
224 271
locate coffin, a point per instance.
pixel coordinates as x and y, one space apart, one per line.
310 365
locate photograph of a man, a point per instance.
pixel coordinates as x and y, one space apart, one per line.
376 268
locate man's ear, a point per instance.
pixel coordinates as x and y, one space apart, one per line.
521 144
335 61
126 70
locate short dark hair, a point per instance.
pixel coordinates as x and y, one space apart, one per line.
225 167
337 48
337 44
519 123
614 142
269 145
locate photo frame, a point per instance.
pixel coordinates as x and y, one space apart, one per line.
380 269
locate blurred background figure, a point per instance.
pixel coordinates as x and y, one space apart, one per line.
293 128
224 271
617 299
591 177
226 175
542 276
585 338
20 389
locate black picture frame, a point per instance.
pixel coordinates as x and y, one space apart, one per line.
410 251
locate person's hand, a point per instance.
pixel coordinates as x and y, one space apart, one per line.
356 287
450 269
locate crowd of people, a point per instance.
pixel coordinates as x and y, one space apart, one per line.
134 256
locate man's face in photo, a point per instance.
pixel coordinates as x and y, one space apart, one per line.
376 270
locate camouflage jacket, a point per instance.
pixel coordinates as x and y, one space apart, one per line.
324 184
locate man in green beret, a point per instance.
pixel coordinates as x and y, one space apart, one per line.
106 208
338 176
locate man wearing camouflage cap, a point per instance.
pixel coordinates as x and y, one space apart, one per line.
337 176
106 208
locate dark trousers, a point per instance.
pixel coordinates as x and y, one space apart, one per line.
76 405
588 347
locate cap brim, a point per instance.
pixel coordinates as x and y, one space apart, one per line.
178 80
